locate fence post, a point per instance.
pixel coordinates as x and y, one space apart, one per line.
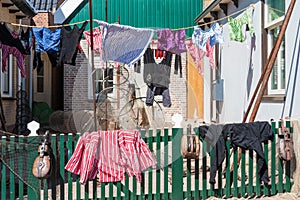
177 165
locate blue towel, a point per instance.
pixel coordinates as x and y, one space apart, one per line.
47 40
124 44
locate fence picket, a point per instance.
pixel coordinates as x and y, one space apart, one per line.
273 160
150 175
235 173
177 165
78 186
195 186
3 173
204 172
228 175
53 178
11 174
266 154
280 167
188 179
21 167
70 149
243 174
158 153
288 166
61 157
166 166
250 182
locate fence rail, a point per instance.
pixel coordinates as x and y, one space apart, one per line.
174 178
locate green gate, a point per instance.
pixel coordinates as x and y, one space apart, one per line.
174 178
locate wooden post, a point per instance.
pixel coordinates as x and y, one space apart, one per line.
266 73
92 62
272 59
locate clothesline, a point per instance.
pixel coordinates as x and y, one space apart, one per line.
217 20
185 28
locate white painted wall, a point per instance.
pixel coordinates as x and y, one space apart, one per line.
241 75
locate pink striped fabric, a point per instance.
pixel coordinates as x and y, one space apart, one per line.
85 157
111 154
6 50
97 39
197 54
97 43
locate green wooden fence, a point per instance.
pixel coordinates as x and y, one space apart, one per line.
175 178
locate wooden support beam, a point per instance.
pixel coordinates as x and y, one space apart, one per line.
224 7
207 20
13 11
265 75
6 5
214 14
236 3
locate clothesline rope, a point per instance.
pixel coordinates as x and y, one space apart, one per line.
81 22
54 26
237 12
185 28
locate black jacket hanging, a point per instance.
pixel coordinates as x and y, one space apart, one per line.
69 44
249 136
157 77
7 39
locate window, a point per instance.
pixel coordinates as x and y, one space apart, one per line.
104 79
275 11
6 77
40 80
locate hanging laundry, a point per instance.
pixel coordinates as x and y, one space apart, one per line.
124 44
172 41
6 50
6 38
137 66
249 136
97 43
200 37
69 44
153 91
110 154
157 74
48 41
236 27
157 77
210 54
178 64
37 61
97 39
197 54
26 39
217 37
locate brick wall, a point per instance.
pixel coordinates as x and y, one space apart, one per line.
43 19
76 87
9 104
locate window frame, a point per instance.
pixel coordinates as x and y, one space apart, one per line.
269 27
9 71
91 73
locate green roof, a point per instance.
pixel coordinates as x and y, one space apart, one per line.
153 14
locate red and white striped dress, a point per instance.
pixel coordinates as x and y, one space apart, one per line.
111 154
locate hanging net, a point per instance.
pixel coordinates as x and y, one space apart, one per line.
17 158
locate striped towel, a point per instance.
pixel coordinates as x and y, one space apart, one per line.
124 44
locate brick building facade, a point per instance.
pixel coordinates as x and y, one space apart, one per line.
76 94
